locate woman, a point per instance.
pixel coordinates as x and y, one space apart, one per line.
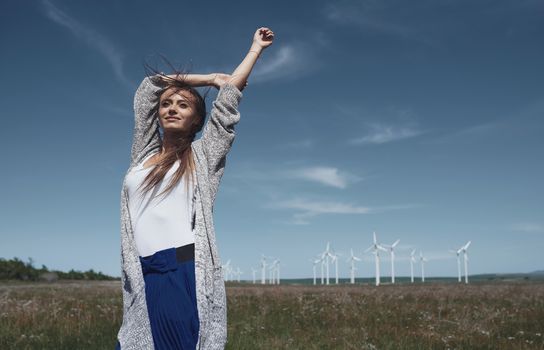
172 282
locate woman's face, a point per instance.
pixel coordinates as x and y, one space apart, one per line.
176 110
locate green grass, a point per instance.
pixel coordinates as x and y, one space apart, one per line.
486 315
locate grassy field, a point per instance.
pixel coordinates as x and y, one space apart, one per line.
487 315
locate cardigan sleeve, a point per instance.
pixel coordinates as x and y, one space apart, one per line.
146 124
218 134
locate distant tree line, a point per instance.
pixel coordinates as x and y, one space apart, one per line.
16 269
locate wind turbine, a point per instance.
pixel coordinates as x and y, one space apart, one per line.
263 269
230 272
352 269
322 259
376 248
335 261
423 261
270 273
326 255
391 247
464 250
412 261
272 269
237 273
226 270
254 271
277 271
315 262
458 253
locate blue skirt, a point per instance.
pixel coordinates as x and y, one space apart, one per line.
170 292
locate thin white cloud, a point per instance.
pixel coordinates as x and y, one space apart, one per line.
381 133
316 208
386 124
529 227
328 176
473 132
479 129
291 60
95 40
324 175
311 208
287 61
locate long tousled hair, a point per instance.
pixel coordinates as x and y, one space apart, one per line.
182 150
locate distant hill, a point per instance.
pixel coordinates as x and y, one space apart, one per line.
487 277
537 272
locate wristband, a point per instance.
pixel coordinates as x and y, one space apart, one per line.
258 54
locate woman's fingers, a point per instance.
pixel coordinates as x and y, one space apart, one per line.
264 37
266 30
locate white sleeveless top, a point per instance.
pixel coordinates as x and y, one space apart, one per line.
166 221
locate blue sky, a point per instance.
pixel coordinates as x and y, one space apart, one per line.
421 121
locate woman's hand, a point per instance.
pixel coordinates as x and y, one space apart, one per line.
219 79
263 37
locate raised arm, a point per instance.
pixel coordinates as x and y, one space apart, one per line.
218 134
193 79
146 125
261 40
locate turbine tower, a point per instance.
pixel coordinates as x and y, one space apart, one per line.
465 255
274 274
254 271
322 259
315 262
277 270
271 274
412 261
335 261
230 272
391 249
327 254
376 248
238 273
263 269
423 261
458 253
352 269
226 270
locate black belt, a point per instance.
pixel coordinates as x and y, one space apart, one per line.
185 252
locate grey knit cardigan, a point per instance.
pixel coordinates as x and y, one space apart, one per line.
210 152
